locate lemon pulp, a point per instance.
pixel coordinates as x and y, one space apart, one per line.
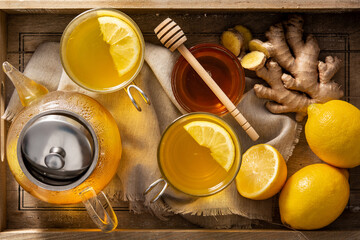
124 43
216 138
262 173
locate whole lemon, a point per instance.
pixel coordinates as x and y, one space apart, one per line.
333 133
314 197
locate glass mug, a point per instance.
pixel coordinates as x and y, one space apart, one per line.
91 62
192 93
189 167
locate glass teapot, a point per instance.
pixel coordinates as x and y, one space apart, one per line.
63 148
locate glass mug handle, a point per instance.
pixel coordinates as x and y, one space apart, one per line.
99 209
153 185
143 95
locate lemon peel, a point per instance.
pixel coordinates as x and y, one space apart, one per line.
314 197
332 132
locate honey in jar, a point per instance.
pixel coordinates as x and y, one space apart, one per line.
192 93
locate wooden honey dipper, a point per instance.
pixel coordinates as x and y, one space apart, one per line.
172 37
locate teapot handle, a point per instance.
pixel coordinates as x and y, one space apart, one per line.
99 209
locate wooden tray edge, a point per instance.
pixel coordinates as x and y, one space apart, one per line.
176 234
3 37
182 5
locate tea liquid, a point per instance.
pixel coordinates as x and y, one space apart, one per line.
88 57
191 91
188 166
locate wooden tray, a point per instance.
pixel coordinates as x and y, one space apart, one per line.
23 26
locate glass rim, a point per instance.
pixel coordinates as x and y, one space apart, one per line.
234 137
198 47
78 18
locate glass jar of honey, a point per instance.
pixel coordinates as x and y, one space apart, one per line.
192 93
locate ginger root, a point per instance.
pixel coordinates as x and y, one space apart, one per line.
233 41
253 60
236 39
258 45
306 73
287 100
246 35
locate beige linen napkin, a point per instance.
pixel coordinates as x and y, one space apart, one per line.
141 132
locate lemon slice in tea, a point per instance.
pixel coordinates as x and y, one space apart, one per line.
216 138
124 43
262 173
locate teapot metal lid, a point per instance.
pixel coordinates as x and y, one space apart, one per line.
58 148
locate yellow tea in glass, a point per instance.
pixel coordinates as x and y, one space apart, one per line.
199 154
102 50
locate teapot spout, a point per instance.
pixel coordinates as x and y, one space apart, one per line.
27 89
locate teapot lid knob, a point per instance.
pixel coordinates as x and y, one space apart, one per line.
55 159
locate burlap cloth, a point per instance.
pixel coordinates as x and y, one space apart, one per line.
141 132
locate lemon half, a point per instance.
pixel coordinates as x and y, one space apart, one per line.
262 173
124 43
216 138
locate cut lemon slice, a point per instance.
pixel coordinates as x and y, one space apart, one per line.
124 43
262 173
216 138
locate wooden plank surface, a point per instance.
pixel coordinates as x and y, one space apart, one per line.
184 4
3 43
175 234
338 34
